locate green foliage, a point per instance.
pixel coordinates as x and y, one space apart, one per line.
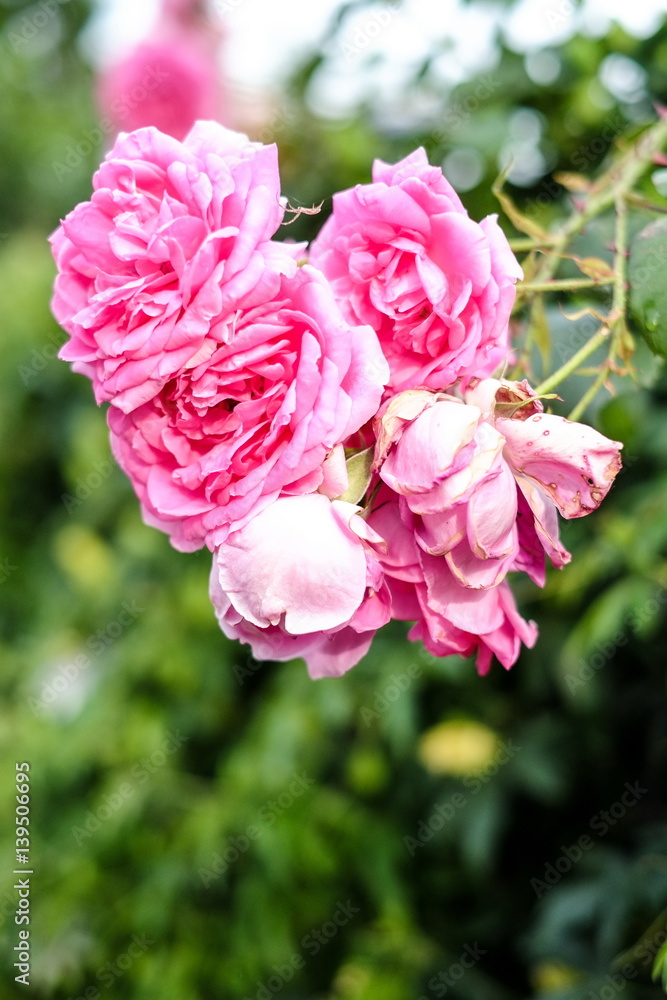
660 966
204 825
648 292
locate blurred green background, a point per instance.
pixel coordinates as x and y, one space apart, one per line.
205 827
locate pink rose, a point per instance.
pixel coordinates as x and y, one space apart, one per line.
280 387
484 476
302 579
449 617
169 84
176 238
403 256
169 81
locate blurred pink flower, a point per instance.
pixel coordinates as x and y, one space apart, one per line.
403 256
175 239
171 80
302 579
278 388
483 477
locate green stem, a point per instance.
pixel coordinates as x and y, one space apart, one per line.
649 206
589 395
564 284
612 188
571 366
529 243
619 300
615 184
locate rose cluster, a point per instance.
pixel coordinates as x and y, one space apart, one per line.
324 419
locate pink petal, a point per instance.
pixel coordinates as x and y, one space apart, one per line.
297 559
480 574
333 655
473 611
429 447
572 462
492 511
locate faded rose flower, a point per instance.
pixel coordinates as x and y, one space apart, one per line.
485 476
449 617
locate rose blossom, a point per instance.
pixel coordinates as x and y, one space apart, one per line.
170 80
485 476
288 381
403 256
175 81
175 236
449 617
302 578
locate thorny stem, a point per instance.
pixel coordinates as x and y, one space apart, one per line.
563 285
571 366
639 202
613 188
521 244
614 185
621 244
589 395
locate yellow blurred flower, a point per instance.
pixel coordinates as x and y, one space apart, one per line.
457 747
549 977
84 557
